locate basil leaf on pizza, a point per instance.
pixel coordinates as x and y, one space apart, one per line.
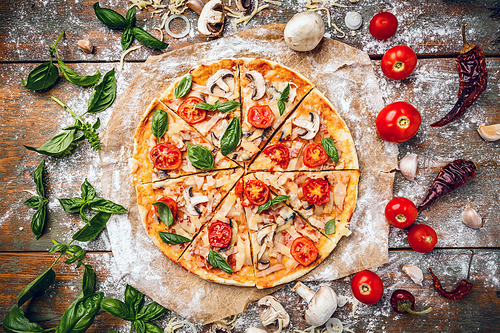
206 106
200 157
330 227
159 123
228 106
231 137
283 98
216 260
171 238
271 202
184 86
164 213
329 146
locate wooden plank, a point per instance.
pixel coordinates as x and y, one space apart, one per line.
429 27
478 311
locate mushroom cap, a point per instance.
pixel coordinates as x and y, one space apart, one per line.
304 31
274 311
211 20
321 307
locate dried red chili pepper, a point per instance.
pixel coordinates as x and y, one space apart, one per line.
471 66
462 290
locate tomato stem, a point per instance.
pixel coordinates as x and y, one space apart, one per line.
365 289
403 122
401 218
399 66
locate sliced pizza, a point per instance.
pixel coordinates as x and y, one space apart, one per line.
313 138
174 210
165 146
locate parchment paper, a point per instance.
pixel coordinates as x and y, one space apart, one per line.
346 77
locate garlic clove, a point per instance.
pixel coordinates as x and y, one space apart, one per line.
471 218
490 132
414 273
408 166
85 45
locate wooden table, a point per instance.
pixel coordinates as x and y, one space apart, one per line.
432 28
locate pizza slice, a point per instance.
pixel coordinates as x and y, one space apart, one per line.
269 92
313 138
284 246
221 251
190 200
165 146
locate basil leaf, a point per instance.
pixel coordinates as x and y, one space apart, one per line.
171 238
88 280
281 107
330 227
145 38
200 157
127 38
38 178
70 260
216 260
205 106
38 220
60 247
74 248
285 93
131 16
91 230
104 93
228 106
151 312
42 77
164 213
83 216
329 146
72 205
139 326
74 78
159 123
16 322
231 137
116 308
80 315
184 86
271 202
109 17
88 191
34 202
153 328
58 145
134 300
107 206
37 286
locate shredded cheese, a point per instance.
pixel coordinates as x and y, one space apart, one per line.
338 29
274 2
161 32
177 7
130 49
327 14
354 309
338 5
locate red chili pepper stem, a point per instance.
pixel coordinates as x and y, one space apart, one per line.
466 47
470 264
487 162
405 306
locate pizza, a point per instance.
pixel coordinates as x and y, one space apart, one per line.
244 172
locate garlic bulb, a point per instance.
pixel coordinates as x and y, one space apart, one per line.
408 166
414 273
490 132
471 218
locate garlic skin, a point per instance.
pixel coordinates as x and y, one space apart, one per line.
85 45
408 166
471 218
414 273
490 132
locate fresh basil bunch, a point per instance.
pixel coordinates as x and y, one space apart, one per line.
115 21
271 202
38 202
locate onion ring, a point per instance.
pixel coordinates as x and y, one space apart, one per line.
183 33
334 322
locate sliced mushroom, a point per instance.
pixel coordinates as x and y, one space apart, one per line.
243 5
211 20
321 305
193 201
217 79
261 262
288 221
219 328
286 131
258 84
275 311
311 126
215 140
267 230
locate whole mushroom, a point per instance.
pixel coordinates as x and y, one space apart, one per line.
304 31
321 305
275 311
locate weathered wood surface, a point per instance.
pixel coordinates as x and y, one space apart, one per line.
429 27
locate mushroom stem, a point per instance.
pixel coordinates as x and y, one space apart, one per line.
195 5
304 291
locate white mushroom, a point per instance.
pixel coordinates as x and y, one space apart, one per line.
275 311
321 305
219 328
311 126
258 84
211 20
267 230
243 5
193 201
217 79
304 31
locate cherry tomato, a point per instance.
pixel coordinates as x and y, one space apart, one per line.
170 203
219 234
316 191
261 116
188 111
398 122
398 62
383 25
304 251
422 238
238 190
256 192
166 156
278 153
401 212
314 155
367 287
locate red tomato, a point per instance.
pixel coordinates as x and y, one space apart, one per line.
367 287
170 203
314 155
165 156
422 238
398 122
261 116
238 190
278 153
316 191
398 62
188 111
304 251
219 234
401 212
256 192
383 25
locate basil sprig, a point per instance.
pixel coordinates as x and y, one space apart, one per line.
329 146
200 157
283 98
330 227
159 123
128 36
225 107
171 238
231 137
183 87
271 202
38 202
218 261
164 213
104 93
76 79
16 322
